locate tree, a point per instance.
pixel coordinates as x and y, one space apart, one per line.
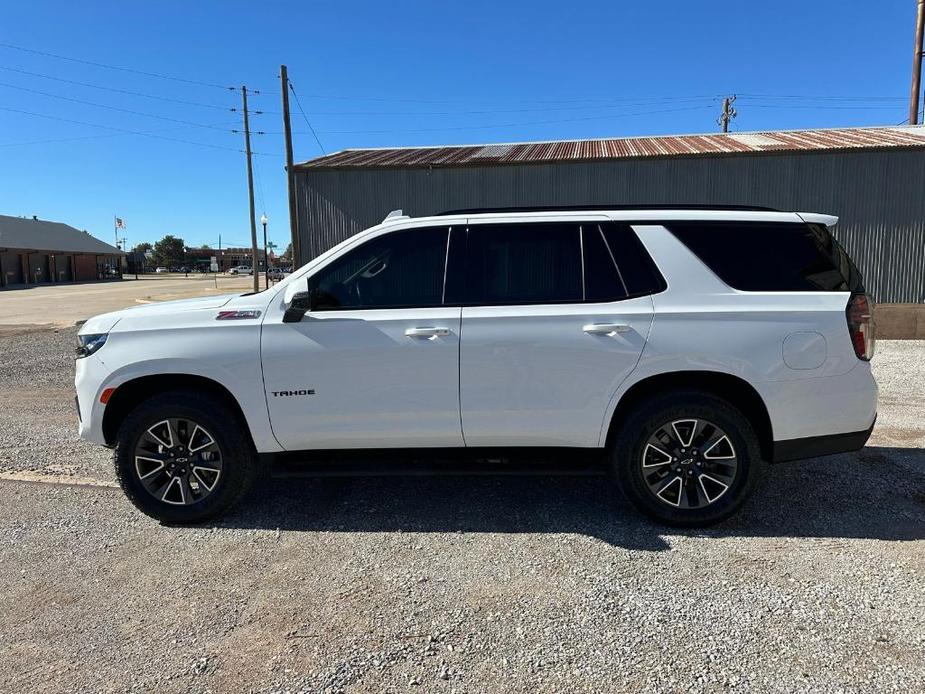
287 254
169 251
142 247
205 247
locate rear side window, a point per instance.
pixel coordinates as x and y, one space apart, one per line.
525 264
771 257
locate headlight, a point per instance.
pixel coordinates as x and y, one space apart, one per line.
89 344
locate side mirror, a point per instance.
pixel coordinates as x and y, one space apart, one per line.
302 303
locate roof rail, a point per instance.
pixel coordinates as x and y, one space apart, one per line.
582 208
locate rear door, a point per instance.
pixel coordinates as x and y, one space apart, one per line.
550 328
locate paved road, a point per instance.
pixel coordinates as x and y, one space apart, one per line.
61 305
466 585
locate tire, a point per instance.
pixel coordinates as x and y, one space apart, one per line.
688 490
229 462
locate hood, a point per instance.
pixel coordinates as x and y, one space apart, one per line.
107 321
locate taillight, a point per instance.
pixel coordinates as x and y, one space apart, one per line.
860 314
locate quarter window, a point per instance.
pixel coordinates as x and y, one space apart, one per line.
771 257
404 269
603 281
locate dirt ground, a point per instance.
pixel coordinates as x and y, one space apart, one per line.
62 305
456 584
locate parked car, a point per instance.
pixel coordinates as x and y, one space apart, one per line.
686 347
277 273
161 270
241 270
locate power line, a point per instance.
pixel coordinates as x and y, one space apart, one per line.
124 130
522 101
818 97
113 108
115 67
77 138
508 125
263 203
501 110
817 107
608 100
308 122
115 89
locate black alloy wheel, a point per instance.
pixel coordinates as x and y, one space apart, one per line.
184 456
686 458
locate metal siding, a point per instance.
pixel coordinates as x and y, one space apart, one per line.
876 195
622 148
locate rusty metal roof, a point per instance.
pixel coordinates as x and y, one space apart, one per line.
624 148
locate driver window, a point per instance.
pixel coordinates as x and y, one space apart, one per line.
404 269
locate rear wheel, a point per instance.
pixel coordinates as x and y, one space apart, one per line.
687 458
183 457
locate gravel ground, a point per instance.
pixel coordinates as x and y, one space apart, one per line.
465 585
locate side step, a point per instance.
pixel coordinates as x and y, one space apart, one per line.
419 462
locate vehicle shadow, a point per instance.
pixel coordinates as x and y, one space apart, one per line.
877 493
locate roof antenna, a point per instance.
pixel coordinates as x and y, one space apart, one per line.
394 214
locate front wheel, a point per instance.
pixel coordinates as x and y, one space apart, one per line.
687 459
183 457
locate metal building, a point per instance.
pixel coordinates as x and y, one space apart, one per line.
35 251
871 178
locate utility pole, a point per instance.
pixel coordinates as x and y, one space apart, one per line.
290 174
728 112
917 64
250 191
266 258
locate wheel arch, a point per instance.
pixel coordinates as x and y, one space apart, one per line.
735 390
127 396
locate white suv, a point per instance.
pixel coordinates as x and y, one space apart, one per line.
688 345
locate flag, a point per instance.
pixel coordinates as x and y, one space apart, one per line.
119 223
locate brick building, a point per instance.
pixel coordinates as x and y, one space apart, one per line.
35 251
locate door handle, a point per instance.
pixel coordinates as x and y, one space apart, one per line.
427 332
606 328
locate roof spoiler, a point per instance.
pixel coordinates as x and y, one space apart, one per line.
816 218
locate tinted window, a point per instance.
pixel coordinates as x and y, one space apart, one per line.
402 269
602 277
525 263
638 272
771 257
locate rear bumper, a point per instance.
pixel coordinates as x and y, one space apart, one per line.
815 446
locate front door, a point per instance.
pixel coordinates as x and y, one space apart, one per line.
551 329
376 363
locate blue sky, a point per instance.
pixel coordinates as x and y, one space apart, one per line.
373 74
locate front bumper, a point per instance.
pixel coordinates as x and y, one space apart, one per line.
816 446
89 381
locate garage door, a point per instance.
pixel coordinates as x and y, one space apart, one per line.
63 268
84 268
11 268
38 268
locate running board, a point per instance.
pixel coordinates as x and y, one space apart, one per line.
436 462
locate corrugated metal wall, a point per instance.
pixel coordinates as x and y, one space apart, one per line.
878 196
